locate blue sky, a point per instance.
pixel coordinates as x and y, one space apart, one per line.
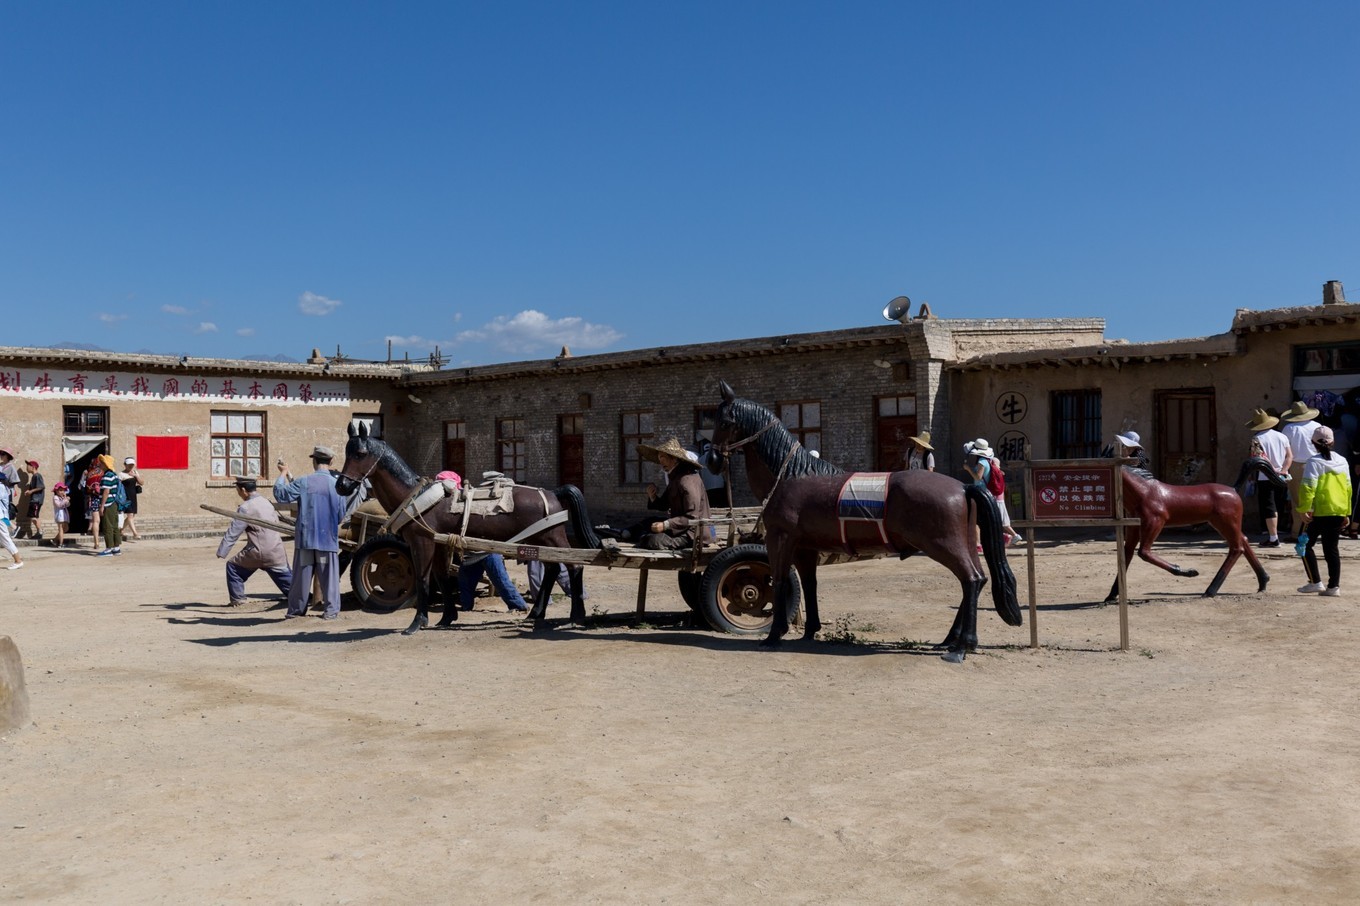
224 179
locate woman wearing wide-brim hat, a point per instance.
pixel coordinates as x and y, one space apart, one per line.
920 455
1299 423
683 500
1272 496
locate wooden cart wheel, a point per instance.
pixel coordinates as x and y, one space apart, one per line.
738 591
383 575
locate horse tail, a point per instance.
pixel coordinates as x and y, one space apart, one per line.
574 502
994 552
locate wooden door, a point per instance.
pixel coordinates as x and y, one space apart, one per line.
571 450
1187 447
895 423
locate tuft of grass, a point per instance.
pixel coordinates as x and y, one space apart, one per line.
1147 653
911 644
845 632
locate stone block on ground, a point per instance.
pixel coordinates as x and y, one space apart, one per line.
13 692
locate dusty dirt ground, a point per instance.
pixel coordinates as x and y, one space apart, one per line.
182 751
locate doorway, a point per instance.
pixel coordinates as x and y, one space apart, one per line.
1187 447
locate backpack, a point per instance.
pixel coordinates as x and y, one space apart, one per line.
996 479
120 497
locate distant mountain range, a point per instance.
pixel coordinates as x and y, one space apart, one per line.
249 357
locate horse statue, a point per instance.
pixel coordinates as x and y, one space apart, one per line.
1157 505
813 506
400 490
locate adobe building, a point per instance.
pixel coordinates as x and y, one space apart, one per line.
192 424
1052 388
1189 399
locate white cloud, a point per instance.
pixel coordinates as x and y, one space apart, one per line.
533 331
245 331
174 309
311 304
205 327
414 341
111 318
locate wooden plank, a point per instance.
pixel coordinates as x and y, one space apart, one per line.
285 530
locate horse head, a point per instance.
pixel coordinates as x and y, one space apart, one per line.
361 458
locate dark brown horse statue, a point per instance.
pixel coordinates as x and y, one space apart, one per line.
917 511
396 485
1156 505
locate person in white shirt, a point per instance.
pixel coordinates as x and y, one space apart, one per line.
1298 423
1273 447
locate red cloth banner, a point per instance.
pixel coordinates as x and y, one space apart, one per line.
162 452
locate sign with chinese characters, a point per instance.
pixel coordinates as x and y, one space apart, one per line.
90 384
1011 407
1065 492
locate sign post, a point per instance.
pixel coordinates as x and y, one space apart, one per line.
1075 493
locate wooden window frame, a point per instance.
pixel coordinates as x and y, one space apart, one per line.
81 413
516 464
636 426
1086 426
223 453
800 431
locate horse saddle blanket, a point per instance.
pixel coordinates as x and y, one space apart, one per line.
491 498
860 507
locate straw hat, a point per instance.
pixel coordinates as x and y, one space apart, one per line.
106 460
670 446
1299 412
923 439
1261 420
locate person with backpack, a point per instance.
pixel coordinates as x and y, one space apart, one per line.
985 469
1324 504
112 501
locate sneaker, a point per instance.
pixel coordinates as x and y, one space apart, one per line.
1275 543
15 566
1331 592
1311 588
330 616
106 552
238 602
116 550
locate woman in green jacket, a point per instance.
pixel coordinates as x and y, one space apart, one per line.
1325 502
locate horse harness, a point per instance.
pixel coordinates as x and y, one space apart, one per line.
492 497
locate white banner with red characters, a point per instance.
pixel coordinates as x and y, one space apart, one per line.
81 384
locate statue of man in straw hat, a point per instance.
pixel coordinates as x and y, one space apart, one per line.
684 501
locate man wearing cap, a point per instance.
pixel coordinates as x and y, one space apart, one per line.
921 455
316 545
1273 447
263 550
683 500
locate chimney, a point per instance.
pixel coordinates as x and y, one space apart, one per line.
1332 293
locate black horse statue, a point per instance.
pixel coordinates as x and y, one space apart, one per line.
806 502
395 484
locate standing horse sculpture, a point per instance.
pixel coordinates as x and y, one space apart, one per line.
1157 505
397 487
806 500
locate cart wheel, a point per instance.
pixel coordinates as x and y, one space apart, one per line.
692 589
383 575
738 591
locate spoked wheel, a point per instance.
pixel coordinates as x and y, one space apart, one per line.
383 574
738 591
